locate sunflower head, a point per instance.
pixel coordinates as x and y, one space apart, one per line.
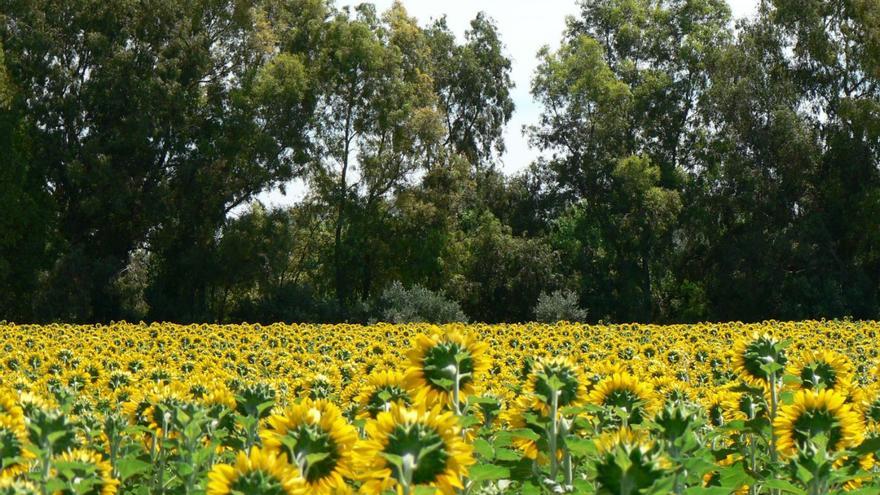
9 407
815 413
675 420
319 386
84 472
628 462
556 376
13 451
751 356
823 369
318 440
625 399
438 361
12 486
525 415
722 407
256 472
413 447
255 400
868 402
383 389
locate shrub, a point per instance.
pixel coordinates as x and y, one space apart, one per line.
419 304
561 305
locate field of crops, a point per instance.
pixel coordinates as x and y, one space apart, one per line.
419 409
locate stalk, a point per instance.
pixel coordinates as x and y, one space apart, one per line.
554 432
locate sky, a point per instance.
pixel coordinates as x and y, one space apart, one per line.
525 26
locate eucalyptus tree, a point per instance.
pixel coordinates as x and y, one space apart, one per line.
148 129
621 122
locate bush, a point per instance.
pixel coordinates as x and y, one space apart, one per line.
561 305
418 304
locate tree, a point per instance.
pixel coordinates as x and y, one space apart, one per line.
473 84
26 222
622 120
249 132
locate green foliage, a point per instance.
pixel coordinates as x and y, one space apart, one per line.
418 304
560 305
691 168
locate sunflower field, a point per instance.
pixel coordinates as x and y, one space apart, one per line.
776 408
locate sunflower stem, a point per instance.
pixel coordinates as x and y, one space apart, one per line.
47 466
408 467
554 432
773 406
456 391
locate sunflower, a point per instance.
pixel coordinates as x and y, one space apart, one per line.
310 429
622 391
813 413
258 472
571 383
722 406
13 450
749 355
9 407
644 463
517 418
713 478
867 403
82 467
383 389
610 440
437 361
12 486
430 447
823 369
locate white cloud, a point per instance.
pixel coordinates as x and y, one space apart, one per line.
525 26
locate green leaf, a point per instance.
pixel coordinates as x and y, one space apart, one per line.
394 459
580 446
129 467
503 454
530 488
525 433
711 490
734 476
317 457
488 472
784 486
484 448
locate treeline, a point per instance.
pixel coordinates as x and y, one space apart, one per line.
695 168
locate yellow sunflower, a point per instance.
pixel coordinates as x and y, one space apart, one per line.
622 391
428 443
813 413
713 478
9 407
383 388
310 430
644 462
867 403
571 383
722 406
437 361
13 441
749 355
515 417
823 369
12 486
258 472
85 466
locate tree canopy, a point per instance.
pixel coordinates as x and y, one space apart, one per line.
693 167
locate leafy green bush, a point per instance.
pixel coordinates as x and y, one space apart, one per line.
561 305
419 304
